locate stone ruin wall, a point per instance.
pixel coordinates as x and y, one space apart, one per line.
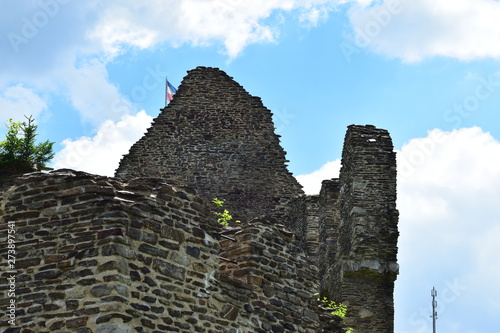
365 266
216 137
304 222
275 274
328 230
99 254
349 231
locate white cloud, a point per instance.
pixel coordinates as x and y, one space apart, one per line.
487 268
53 28
462 29
468 152
102 153
91 93
234 23
118 27
312 182
449 219
448 194
18 101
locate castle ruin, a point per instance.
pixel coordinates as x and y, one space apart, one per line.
143 252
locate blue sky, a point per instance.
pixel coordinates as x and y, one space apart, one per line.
92 73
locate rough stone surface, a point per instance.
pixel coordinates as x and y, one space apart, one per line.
86 262
305 222
365 267
127 254
215 137
84 267
267 262
349 231
329 220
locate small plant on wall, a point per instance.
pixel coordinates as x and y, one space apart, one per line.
223 217
338 309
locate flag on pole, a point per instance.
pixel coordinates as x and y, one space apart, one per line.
171 91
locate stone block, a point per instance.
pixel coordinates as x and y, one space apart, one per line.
154 251
113 328
169 269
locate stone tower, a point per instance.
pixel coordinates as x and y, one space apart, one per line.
217 138
365 267
350 230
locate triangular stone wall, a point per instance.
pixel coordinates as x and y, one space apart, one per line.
217 138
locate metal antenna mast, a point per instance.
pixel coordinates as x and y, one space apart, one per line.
434 305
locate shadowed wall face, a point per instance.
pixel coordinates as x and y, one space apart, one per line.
366 265
217 138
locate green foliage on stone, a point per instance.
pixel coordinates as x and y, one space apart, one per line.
219 203
339 309
223 217
19 152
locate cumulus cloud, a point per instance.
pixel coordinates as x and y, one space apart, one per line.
448 194
90 92
416 30
102 153
312 182
234 23
52 28
449 222
18 101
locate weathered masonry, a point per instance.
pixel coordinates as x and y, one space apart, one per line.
350 233
143 252
217 138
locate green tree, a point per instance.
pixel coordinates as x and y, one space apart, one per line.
19 152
